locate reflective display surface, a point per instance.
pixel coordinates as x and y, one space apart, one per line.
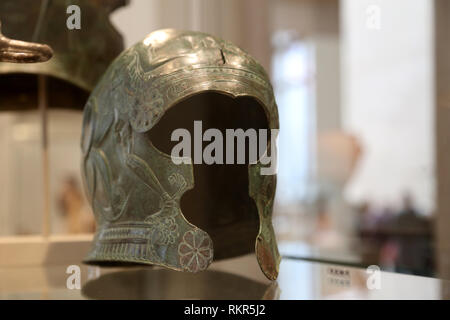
363 96
229 279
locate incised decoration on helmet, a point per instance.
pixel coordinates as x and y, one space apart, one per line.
134 188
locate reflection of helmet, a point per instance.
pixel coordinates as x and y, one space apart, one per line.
162 284
134 186
80 56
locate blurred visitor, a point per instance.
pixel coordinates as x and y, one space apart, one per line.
397 240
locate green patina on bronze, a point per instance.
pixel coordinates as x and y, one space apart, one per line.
134 188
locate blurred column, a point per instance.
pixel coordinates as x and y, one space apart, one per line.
7 221
317 23
306 32
442 65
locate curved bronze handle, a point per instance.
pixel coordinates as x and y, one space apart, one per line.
23 52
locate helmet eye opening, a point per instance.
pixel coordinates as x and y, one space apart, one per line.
219 203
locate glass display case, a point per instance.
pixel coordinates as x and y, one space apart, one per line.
360 207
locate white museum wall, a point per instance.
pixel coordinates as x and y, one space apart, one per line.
388 99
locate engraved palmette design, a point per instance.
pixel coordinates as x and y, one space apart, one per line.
134 188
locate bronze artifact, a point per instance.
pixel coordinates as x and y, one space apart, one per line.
17 51
80 56
147 209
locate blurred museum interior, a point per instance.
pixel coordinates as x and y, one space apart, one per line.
363 91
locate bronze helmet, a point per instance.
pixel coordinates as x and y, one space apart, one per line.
147 209
80 57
